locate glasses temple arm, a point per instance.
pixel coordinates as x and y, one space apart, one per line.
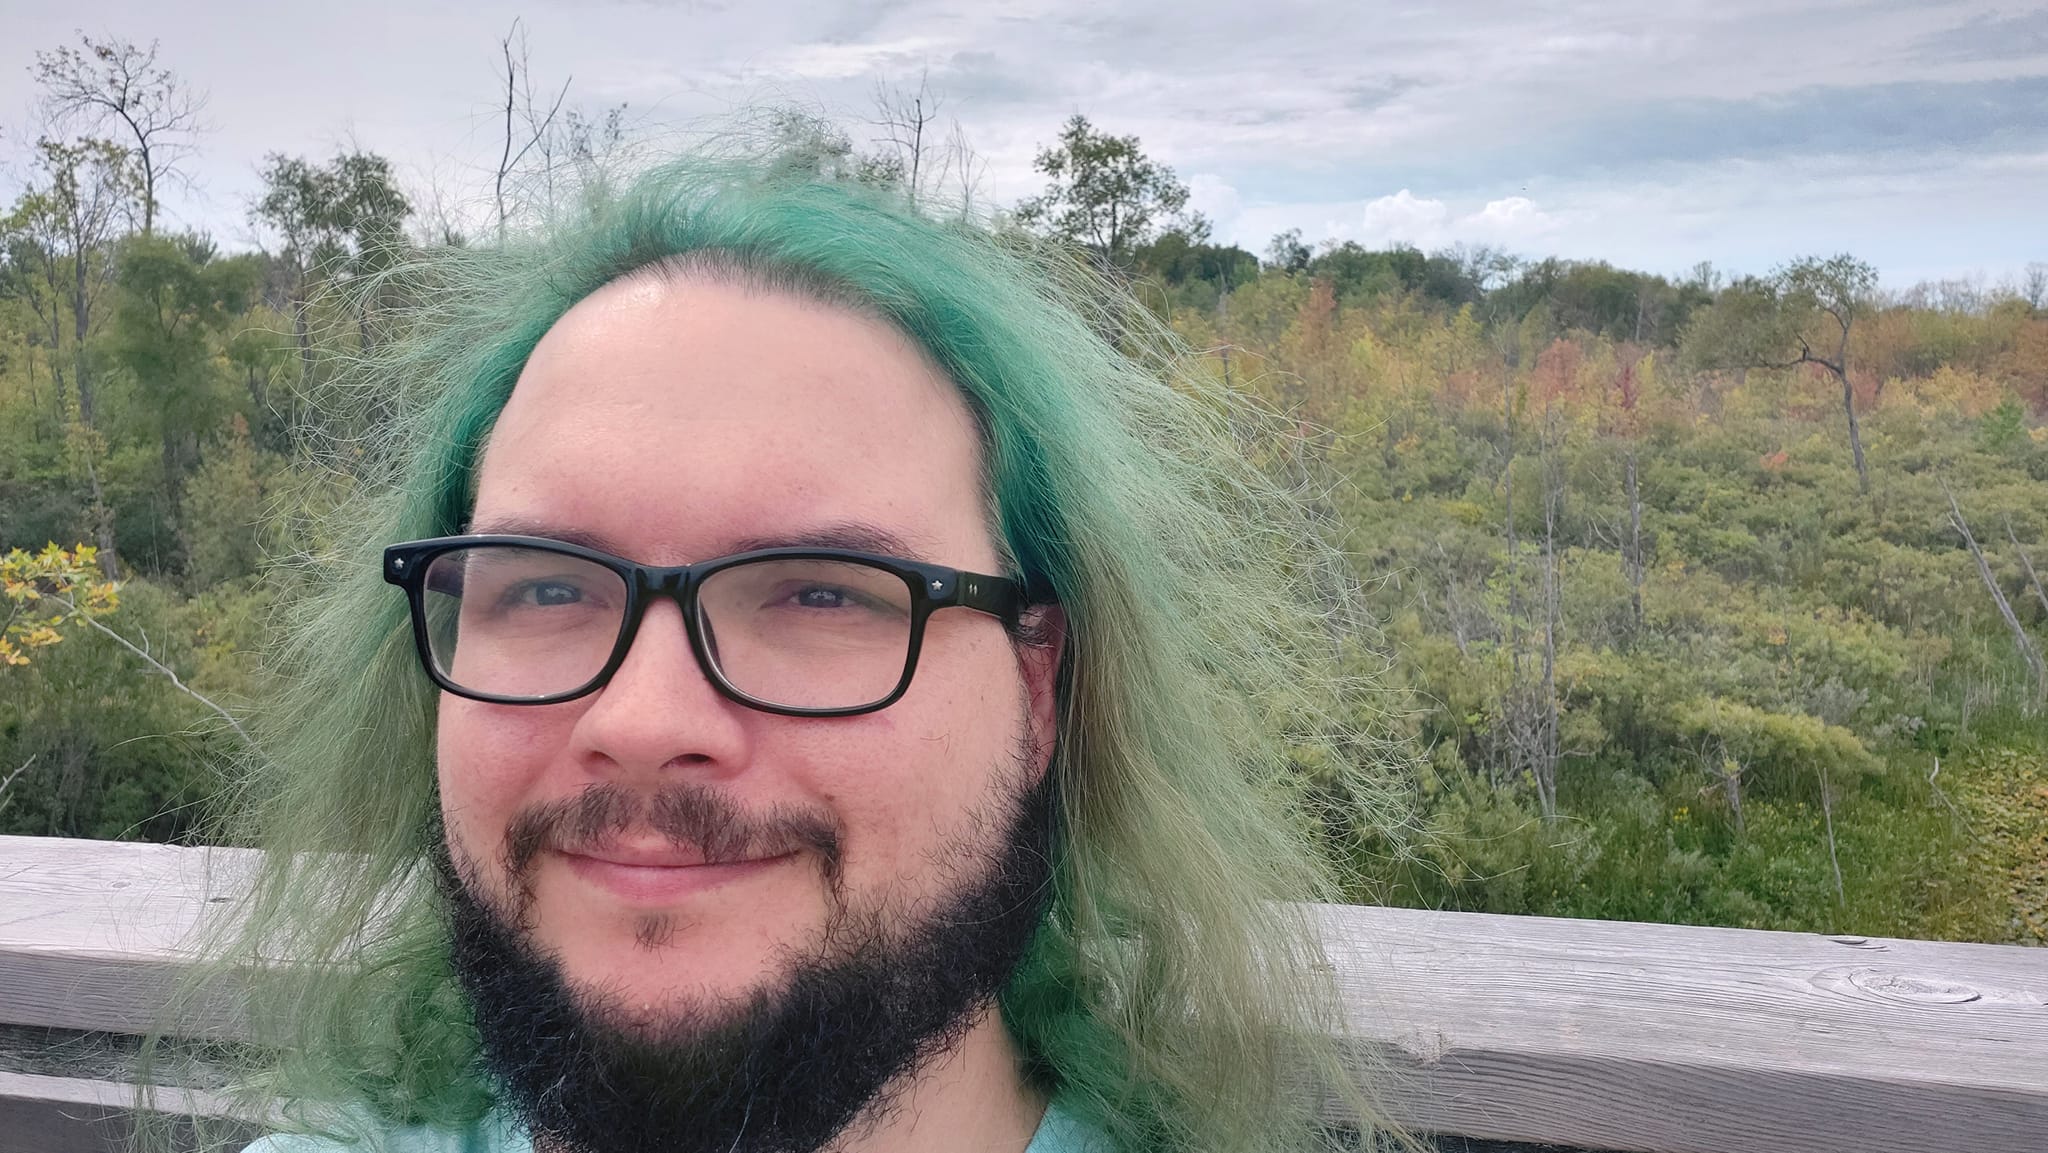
998 596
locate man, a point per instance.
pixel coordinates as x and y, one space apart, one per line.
805 690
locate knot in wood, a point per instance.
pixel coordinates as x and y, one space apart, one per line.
1911 989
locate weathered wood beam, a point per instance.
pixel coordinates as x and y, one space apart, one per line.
1682 1039
73 1115
1652 1038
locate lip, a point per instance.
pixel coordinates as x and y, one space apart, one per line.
663 876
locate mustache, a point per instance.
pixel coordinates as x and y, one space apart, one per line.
687 813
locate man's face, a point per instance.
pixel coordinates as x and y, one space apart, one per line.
674 422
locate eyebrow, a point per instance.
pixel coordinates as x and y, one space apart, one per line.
859 536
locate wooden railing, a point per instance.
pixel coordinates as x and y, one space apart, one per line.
1599 1035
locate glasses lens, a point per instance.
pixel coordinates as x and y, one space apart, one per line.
807 634
520 622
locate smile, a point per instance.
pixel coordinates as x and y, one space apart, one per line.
665 877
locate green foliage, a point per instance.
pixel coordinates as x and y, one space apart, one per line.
1288 252
1102 192
1195 273
112 749
2004 429
1999 783
42 594
148 403
227 502
1637 851
1835 284
1799 657
1744 326
333 218
1358 274
1597 299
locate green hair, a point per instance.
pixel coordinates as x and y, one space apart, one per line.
1174 997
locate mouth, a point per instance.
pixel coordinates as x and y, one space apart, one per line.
663 875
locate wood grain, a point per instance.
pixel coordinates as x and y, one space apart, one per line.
93 934
69 1115
1650 1038
1676 1039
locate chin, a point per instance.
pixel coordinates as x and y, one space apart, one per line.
676 975
676 955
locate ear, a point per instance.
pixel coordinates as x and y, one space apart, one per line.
1041 644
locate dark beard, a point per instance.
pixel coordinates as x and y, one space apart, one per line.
800 1062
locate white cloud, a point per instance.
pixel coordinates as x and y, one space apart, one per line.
1214 198
1509 220
1425 222
1404 218
828 61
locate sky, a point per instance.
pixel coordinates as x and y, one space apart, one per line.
1913 133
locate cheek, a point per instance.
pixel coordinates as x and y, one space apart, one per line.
488 760
908 781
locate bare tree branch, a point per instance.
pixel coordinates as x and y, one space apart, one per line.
168 672
538 128
905 118
2027 562
2020 639
1827 808
967 167
6 800
519 101
511 89
116 79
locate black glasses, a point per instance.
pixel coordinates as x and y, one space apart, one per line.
809 632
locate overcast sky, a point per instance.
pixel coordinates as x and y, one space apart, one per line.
1913 133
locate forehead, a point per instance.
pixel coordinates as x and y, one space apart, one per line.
681 419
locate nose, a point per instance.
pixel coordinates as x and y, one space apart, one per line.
659 712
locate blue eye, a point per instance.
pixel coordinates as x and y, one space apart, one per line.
823 598
555 593
541 594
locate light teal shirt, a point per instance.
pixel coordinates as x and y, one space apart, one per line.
1059 1132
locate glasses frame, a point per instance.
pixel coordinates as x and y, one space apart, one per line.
932 587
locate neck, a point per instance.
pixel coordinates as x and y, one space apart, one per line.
971 1096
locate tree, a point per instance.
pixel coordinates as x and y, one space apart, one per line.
1288 252
539 127
1103 192
30 272
908 122
966 169
2033 286
1742 329
71 219
1823 298
334 221
177 300
116 80
1178 256
808 145
225 508
1802 314
43 593
65 226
